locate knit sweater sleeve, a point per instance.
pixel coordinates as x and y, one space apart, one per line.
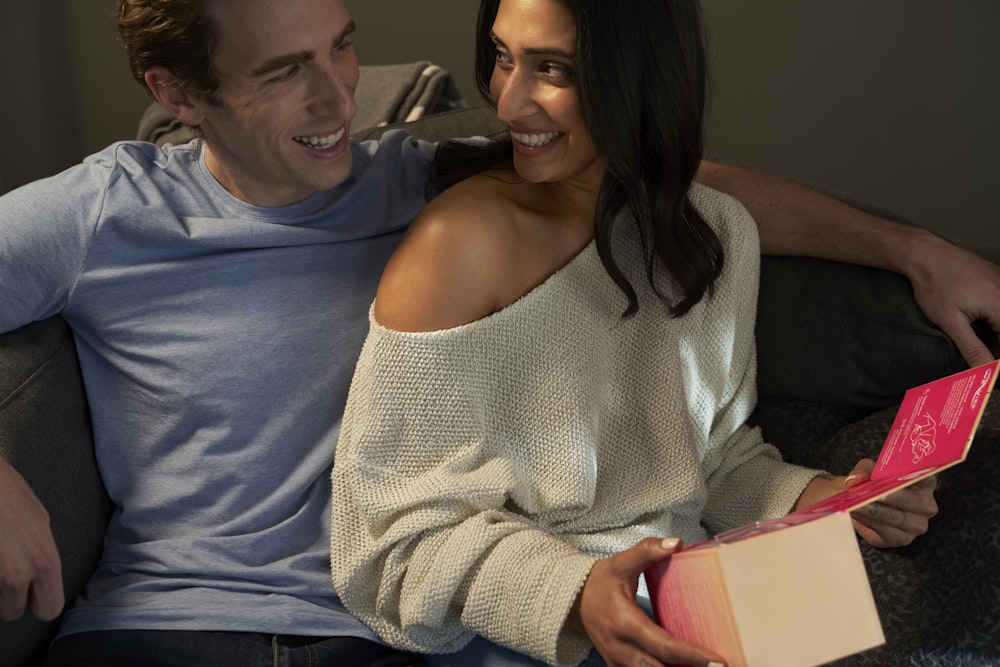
746 479
427 547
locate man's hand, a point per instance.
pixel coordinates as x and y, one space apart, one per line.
620 630
900 517
893 521
955 288
30 570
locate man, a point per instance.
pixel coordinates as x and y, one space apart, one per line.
219 300
218 294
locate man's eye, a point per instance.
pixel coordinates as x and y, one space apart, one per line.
287 74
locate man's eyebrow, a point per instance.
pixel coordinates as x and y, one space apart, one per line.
287 60
536 51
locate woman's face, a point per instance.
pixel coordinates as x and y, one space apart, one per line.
534 85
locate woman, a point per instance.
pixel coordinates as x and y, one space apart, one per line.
561 358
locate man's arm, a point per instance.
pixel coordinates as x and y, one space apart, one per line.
954 287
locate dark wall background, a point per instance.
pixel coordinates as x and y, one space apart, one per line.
893 101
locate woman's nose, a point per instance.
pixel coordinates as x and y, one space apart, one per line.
514 97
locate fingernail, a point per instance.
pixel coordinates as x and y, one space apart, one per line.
715 664
851 478
670 543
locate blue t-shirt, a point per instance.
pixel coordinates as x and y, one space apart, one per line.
217 342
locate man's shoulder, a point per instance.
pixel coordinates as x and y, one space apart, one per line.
396 163
137 163
147 156
122 166
396 143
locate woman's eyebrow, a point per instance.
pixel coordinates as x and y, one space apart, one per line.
536 51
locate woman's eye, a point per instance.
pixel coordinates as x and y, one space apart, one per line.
503 58
557 71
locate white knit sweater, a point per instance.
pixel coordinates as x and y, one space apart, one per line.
481 470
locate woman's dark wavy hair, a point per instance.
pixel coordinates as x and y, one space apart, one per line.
175 34
641 76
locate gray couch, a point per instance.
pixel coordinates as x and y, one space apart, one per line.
837 347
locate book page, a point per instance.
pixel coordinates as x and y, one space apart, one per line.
935 423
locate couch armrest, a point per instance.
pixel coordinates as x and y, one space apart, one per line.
45 434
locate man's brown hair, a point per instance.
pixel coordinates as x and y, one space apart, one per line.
175 34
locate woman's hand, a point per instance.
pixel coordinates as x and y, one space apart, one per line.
621 631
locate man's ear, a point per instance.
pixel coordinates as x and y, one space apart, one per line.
169 92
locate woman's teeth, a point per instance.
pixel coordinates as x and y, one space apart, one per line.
321 142
535 140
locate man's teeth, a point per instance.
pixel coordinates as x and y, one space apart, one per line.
535 140
321 142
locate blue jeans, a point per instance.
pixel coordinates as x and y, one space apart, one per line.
171 648
483 653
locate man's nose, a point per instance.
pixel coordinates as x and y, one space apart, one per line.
334 93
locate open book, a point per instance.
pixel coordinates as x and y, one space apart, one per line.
793 591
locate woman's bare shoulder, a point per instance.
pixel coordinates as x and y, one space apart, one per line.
479 205
444 272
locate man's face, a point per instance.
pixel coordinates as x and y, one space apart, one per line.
287 74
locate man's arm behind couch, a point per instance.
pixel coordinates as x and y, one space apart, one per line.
956 289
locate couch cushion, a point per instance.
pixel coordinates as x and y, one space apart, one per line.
45 434
844 335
